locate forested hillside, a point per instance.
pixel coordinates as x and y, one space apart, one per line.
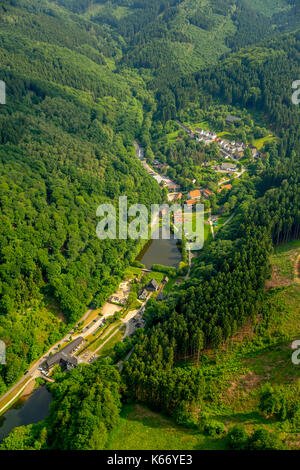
84 79
184 35
66 138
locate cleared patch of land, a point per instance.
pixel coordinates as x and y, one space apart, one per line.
284 265
143 429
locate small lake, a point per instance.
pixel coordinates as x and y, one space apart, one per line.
160 251
26 411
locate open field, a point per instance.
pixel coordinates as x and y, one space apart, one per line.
108 348
284 264
259 143
143 429
173 136
105 334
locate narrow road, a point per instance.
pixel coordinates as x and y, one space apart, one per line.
211 225
190 265
229 219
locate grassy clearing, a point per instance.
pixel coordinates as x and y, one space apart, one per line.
226 135
107 350
103 336
199 125
258 355
172 137
143 429
207 233
154 275
221 222
132 272
259 143
171 285
284 259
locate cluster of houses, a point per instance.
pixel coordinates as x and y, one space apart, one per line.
231 149
196 194
162 180
228 149
205 136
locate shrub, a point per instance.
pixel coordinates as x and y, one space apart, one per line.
183 268
183 417
164 269
213 428
262 439
238 437
137 264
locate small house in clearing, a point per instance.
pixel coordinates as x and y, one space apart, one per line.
153 286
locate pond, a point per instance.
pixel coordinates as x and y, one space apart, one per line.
27 410
160 251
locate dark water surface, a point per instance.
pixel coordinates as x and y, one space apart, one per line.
26 411
160 251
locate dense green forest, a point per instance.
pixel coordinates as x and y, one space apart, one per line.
66 146
171 37
84 79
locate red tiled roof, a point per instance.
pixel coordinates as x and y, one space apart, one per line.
191 202
195 193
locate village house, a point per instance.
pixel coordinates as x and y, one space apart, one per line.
228 167
225 186
207 193
196 194
191 202
153 286
172 187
